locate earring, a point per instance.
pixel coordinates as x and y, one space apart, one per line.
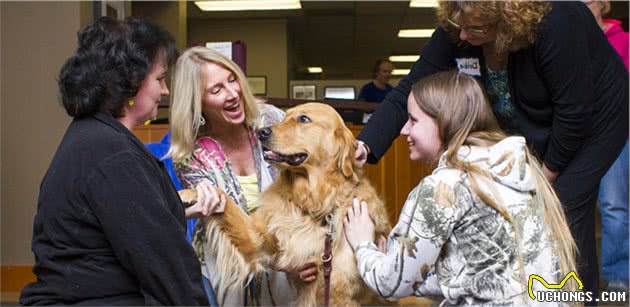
131 102
202 121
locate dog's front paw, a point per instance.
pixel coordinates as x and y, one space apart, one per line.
188 196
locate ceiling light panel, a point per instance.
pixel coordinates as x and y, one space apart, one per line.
248 5
423 3
415 33
314 70
404 58
398 72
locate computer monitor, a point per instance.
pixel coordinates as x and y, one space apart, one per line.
339 92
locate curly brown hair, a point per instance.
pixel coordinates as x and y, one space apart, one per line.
517 21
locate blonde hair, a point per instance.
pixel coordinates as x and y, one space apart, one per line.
458 104
517 21
186 105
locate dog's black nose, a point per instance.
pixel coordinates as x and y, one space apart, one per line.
264 133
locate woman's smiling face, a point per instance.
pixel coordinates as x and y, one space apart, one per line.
422 132
222 99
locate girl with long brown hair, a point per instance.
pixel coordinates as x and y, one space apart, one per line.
486 218
551 76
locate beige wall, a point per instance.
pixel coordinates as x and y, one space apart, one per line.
170 15
37 37
266 42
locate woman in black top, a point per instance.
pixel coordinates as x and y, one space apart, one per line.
551 76
110 227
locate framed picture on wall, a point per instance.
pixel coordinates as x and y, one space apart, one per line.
306 92
114 9
258 84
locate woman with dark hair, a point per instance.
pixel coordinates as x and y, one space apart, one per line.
110 227
551 76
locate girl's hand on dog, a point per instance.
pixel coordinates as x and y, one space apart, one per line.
210 200
358 225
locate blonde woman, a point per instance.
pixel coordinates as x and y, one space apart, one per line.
551 76
475 229
213 119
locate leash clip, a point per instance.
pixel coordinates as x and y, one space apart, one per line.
330 220
326 259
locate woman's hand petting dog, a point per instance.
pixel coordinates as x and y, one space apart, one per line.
210 200
358 226
306 273
361 153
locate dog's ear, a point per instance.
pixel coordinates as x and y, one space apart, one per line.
345 154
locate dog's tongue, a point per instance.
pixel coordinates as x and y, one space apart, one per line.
272 155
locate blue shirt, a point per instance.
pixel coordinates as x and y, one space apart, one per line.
371 93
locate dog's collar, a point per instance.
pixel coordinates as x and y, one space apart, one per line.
327 256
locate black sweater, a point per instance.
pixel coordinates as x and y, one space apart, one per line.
570 86
110 227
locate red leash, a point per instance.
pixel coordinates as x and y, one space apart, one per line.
327 258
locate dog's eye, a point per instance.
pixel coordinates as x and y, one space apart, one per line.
304 119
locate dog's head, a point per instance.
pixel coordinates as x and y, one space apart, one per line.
312 135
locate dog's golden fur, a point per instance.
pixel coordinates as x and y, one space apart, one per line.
288 230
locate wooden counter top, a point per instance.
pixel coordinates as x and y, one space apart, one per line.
337 104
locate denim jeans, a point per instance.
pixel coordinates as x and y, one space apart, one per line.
211 297
613 209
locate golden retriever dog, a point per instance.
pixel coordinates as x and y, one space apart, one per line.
314 151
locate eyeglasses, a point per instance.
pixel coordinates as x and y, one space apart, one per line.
475 30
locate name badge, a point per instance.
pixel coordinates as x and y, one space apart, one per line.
469 66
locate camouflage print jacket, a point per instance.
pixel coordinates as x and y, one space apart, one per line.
449 244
